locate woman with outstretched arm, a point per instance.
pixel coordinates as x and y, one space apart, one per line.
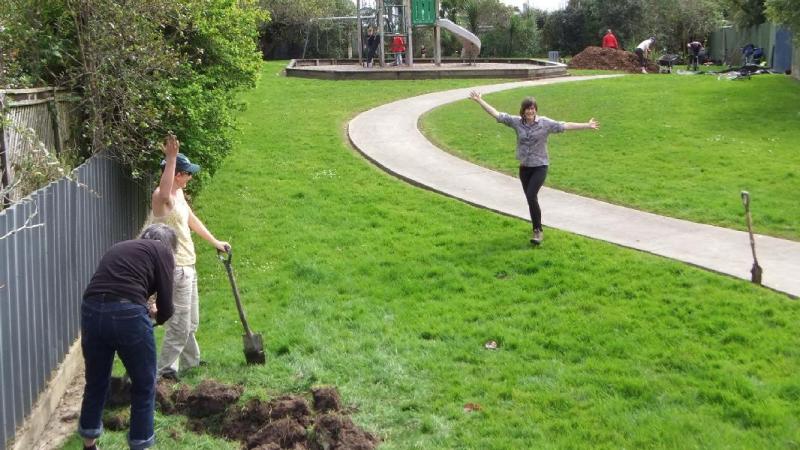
532 133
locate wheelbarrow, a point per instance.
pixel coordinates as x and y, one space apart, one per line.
253 343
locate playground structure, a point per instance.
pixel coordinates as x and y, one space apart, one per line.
393 18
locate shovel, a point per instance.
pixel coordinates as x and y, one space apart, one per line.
253 345
756 270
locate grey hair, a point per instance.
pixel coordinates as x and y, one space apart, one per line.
163 233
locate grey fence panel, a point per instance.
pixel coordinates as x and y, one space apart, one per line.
62 230
6 365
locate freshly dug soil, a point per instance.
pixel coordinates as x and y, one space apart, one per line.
609 59
286 422
337 432
326 399
211 397
283 423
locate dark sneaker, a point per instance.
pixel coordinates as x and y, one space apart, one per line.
170 375
537 237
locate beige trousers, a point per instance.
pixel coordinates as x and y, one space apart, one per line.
179 350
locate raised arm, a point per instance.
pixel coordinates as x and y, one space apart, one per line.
475 95
590 125
162 200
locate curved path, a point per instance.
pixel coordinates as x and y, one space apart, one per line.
389 137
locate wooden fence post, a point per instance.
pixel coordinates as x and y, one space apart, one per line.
4 178
52 108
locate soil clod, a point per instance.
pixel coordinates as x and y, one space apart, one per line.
326 399
211 397
337 432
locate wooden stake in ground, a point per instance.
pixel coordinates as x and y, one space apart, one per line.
756 270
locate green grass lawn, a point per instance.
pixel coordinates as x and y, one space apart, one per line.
389 292
682 146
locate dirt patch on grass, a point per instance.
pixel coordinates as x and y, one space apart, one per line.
609 59
286 422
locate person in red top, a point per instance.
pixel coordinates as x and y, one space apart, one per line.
398 47
609 40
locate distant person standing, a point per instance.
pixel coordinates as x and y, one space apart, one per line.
609 40
373 41
423 52
532 131
398 47
695 47
643 52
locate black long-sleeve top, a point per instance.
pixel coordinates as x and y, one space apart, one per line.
134 270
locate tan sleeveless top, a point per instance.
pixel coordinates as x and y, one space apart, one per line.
178 220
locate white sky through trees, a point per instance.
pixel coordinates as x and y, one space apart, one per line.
547 5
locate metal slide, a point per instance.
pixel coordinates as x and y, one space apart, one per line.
471 45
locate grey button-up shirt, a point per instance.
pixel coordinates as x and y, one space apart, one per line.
532 139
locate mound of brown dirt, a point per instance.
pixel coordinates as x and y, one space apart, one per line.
608 59
283 423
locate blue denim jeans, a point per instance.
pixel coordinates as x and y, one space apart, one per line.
108 326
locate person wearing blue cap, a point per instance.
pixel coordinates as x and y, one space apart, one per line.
179 349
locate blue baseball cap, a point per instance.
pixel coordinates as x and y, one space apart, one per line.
182 164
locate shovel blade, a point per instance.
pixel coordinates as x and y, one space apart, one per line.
254 349
755 273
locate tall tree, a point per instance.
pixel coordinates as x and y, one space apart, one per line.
746 13
786 12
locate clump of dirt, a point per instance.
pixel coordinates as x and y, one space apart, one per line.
292 407
164 397
337 432
326 399
240 424
211 397
286 433
283 423
609 59
115 422
119 392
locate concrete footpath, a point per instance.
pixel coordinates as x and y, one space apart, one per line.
388 136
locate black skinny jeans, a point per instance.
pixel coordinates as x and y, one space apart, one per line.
532 180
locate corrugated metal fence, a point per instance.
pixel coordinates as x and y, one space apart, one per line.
726 44
50 243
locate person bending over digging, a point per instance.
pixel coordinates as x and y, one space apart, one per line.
180 350
532 133
643 52
114 319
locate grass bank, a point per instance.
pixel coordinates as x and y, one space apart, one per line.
389 292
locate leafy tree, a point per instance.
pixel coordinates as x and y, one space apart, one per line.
566 30
285 34
34 42
622 16
143 68
785 12
746 13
